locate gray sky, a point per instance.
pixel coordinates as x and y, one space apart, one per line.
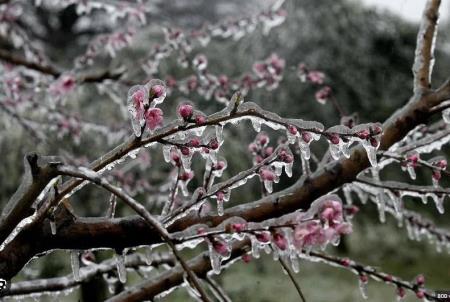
409 9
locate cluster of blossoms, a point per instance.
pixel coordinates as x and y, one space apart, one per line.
317 78
183 43
271 170
142 101
287 237
267 73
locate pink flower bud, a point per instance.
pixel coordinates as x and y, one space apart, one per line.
374 142
185 111
306 136
156 91
401 292
186 176
154 118
280 241
346 262
315 77
220 247
420 294
219 165
238 227
352 210
252 147
323 95
201 231
364 278
292 130
175 157
185 151
138 97
246 258
263 237
220 196
194 142
200 119
376 129
420 280
213 144
285 157
388 278
262 139
363 134
267 175
268 151
334 138
436 175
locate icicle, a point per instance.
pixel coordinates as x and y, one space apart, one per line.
256 123
255 247
53 227
149 255
121 269
268 185
363 286
75 264
334 151
411 172
381 203
371 153
220 210
446 116
348 194
294 262
439 202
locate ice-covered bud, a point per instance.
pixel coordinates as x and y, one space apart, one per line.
280 241
436 175
315 77
223 80
323 95
200 62
374 142
219 165
346 262
157 91
343 228
376 129
262 139
286 156
420 280
67 83
213 144
220 247
238 227
175 157
420 293
334 138
413 159
268 151
442 164
292 130
220 196
388 278
363 134
246 258
352 210
192 83
267 175
364 278
263 237
171 81
186 176
327 214
185 111
153 118
200 119
252 148
306 137
194 142
401 292
201 231
185 150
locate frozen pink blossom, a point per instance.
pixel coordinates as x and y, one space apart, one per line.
292 130
280 241
363 134
267 175
200 119
420 293
346 262
323 95
238 227
246 258
213 144
306 137
315 77
420 280
195 142
334 138
263 237
220 247
153 118
401 292
185 150
186 176
185 111
285 156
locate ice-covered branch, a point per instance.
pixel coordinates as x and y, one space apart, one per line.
86 273
424 55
